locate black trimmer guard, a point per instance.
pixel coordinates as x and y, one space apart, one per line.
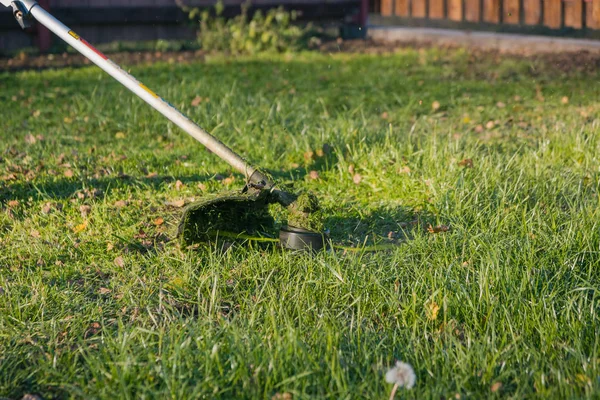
233 212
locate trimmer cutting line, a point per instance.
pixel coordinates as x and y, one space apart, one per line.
244 212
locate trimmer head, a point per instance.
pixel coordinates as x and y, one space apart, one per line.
247 212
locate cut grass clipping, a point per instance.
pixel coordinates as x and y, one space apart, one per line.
482 173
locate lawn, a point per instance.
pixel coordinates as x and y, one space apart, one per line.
483 171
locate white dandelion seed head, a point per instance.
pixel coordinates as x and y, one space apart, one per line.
402 375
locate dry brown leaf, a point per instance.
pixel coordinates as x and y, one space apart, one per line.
68 173
120 203
479 128
152 175
30 139
179 185
435 105
47 208
92 330
490 125
158 221
85 210
404 170
309 156
351 168
357 178
438 229
432 309
517 98
177 203
496 386
313 174
202 186
34 233
119 262
385 115
196 102
229 180
104 290
467 162
564 100
500 104
80 227
13 203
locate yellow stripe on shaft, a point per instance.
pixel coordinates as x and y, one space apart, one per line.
148 90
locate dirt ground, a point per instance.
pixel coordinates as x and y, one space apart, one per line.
581 61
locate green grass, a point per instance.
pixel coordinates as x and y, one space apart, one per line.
109 305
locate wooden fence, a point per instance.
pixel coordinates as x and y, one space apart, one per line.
578 18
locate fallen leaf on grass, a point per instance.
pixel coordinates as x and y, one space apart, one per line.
564 100
158 221
490 125
435 105
120 203
202 186
179 185
120 135
479 128
30 139
432 309
68 173
80 227
438 229
119 262
176 203
92 330
500 104
104 290
34 233
309 156
404 170
196 102
85 210
313 174
228 181
357 178
13 203
467 162
385 115
496 386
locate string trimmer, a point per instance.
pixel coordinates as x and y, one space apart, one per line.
234 213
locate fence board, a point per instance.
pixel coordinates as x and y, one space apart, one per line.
573 13
491 11
532 11
511 12
401 8
592 14
386 8
552 13
472 10
436 9
455 10
419 9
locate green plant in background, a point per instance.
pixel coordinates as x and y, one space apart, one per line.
272 31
